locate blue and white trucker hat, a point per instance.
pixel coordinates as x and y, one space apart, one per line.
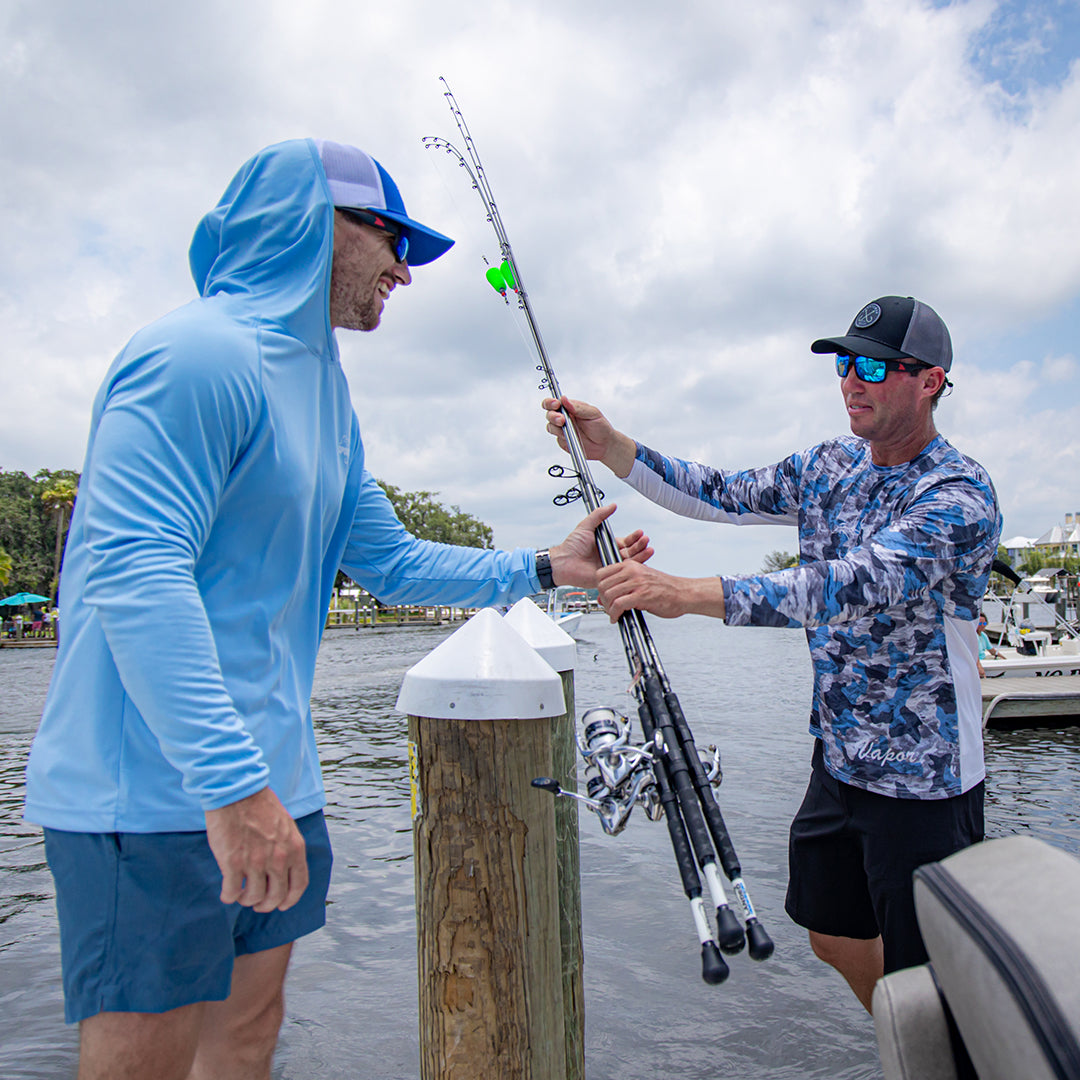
892 328
358 182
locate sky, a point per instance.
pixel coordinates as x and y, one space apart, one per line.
693 191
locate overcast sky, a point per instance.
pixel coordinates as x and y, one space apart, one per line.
694 192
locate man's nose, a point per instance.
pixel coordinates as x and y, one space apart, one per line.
850 381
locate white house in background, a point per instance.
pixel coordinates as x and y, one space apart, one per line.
1061 540
1018 548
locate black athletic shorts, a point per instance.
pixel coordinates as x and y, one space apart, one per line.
852 854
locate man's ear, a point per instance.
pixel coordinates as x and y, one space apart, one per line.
932 380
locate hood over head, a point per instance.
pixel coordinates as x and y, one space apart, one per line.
270 239
271 236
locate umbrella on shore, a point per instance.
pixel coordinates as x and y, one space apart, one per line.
24 598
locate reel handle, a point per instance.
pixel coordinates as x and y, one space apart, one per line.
546 783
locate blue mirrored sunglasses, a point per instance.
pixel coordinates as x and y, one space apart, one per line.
870 370
367 217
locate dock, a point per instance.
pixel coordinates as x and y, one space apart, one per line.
359 618
1024 701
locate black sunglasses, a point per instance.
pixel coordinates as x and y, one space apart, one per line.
368 217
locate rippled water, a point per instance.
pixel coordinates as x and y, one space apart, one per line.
351 1009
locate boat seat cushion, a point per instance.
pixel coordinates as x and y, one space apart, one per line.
912 1027
1000 924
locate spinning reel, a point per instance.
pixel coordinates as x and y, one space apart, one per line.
618 773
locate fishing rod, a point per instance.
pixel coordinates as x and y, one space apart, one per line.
667 774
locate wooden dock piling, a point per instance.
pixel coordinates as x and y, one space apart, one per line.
488 942
560 651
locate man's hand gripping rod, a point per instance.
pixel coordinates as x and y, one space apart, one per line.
685 792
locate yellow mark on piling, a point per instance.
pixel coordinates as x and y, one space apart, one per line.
414 781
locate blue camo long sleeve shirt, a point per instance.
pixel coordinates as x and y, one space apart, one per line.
893 565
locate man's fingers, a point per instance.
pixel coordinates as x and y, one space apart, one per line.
626 586
601 513
260 851
232 885
276 883
636 547
273 885
298 883
256 888
291 880
558 409
613 586
556 420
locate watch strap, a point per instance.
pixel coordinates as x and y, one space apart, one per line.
543 570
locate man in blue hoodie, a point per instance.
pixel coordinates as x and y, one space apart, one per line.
175 769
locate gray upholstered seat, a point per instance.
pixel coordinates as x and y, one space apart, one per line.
1001 922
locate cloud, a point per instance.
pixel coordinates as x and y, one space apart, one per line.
693 195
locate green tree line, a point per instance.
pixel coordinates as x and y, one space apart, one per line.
35 512
34 515
429 520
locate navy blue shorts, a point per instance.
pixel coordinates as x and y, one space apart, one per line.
852 854
142 925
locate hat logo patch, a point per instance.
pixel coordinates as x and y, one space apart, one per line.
868 316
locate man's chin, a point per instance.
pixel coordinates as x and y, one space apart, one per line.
859 424
364 323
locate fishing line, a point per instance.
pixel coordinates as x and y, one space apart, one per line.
666 773
459 214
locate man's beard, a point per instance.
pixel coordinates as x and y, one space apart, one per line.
360 310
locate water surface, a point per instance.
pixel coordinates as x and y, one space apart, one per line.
351 1008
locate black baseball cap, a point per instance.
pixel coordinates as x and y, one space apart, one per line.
892 328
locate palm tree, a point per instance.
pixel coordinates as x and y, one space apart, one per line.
5 567
61 498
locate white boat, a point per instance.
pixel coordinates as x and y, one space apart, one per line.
566 606
1047 659
1026 624
568 621
1030 606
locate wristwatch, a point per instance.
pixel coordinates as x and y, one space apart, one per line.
543 570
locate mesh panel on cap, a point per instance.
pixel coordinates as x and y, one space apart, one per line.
351 176
927 338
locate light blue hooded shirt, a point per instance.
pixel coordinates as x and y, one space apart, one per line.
224 485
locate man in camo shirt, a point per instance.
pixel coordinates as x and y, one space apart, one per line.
897 532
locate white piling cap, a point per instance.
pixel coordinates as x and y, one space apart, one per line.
484 671
556 646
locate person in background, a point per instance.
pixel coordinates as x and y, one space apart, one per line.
897 533
175 768
985 648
